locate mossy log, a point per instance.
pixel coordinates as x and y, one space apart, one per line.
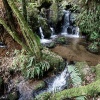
90 89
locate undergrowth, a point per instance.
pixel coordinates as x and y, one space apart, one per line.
30 67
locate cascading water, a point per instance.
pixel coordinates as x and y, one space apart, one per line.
43 40
41 32
60 82
68 29
56 84
66 21
53 36
52 29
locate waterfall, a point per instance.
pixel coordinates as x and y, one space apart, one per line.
41 32
66 21
60 82
53 36
52 29
68 28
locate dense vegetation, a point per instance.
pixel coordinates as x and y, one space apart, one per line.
35 60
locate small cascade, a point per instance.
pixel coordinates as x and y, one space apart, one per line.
53 36
52 29
66 21
60 82
43 40
68 29
41 32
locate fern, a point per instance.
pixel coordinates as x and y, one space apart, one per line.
28 65
76 79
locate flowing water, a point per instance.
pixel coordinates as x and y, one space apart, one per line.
43 40
68 29
54 84
60 82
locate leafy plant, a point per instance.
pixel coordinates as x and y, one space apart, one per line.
75 78
28 65
61 40
93 47
88 18
53 59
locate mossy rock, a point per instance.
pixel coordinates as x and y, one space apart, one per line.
61 40
40 85
93 48
53 59
50 45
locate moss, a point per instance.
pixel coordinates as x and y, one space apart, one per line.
97 68
51 45
53 59
61 40
40 85
54 12
44 96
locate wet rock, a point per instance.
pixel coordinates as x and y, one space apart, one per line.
50 45
1 86
40 85
61 40
25 91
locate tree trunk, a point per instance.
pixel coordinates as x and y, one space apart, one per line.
24 9
14 35
30 38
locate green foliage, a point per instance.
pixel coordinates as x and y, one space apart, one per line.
61 40
94 36
97 71
28 65
93 47
44 96
76 79
89 19
53 59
